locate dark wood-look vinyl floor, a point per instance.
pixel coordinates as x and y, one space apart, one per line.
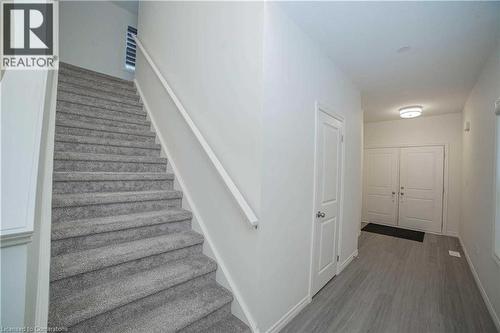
401 286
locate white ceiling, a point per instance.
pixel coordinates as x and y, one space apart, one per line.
130 5
449 43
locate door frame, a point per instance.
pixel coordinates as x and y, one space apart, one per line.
319 107
444 229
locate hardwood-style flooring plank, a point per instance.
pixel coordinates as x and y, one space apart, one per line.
397 285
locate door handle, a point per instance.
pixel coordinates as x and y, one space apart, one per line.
320 214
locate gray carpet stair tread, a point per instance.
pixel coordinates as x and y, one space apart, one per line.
124 258
83 227
85 199
60 176
102 96
181 311
88 78
71 264
70 104
86 304
63 155
72 70
231 324
129 96
79 98
91 119
107 86
105 141
105 116
104 128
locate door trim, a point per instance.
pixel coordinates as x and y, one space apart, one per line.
444 230
319 107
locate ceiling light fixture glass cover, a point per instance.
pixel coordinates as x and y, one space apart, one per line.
410 111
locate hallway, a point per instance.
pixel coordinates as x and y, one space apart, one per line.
398 285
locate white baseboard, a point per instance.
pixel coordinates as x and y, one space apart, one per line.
346 262
486 299
283 321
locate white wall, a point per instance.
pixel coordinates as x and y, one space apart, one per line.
444 129
92 35
478 192
22 95
250 78
297 74
211 55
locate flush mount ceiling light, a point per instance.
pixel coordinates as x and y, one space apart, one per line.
410 111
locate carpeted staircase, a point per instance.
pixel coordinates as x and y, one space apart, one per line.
124 256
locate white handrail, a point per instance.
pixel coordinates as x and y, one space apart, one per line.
238 196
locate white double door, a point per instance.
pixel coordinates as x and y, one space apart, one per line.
404 187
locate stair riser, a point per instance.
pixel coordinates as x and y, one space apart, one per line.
104 86
84 212
63 287
76 244
99 121
98 112
120 314
105 149
94 77
101 96
102 134
105 166
111 186
209 320
96 102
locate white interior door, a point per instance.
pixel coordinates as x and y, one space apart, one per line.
421 188
381 185
327 199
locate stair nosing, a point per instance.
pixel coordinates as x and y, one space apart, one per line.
66 81
70 77
128 120
65 230
138 110
66 89
96 263
70 67
84 176
106 198
141 113
76 156
104 128
100 141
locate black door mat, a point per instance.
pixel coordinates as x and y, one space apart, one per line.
394 232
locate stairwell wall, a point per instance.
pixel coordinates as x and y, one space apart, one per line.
250 79
210 54
92 36
479 196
